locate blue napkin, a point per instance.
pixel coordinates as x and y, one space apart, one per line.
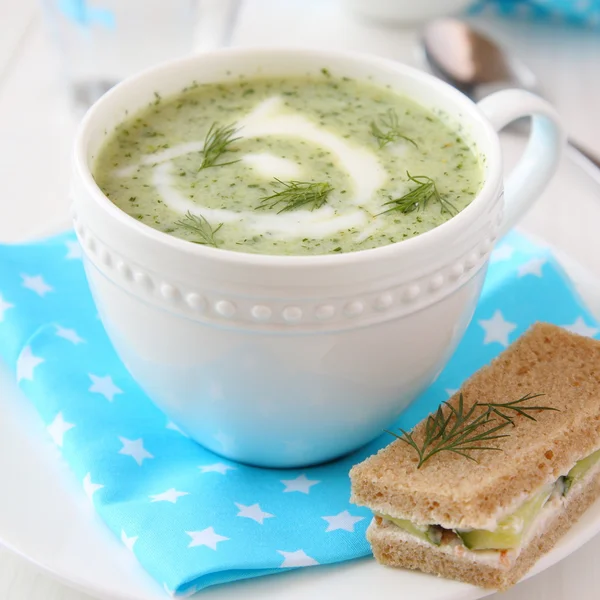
192 518
575 12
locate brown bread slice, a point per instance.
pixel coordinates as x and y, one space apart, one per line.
392 547
452 491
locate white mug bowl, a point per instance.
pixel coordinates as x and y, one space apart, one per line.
285 361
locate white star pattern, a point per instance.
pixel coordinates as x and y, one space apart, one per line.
90 488
169 591
4 306
173 427
216 468
69 334
58 428
135 449
207 537
497 329
104 386
26 363
300 484
128 541
169 496
581 328
343 520
253 512
501 253
299 558
450 392
36 284
73 250
533 267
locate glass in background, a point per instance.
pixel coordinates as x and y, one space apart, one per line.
103 41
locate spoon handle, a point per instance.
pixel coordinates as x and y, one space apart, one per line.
585 159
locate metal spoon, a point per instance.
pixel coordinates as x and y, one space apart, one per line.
477 66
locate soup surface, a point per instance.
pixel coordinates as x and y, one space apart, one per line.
310 165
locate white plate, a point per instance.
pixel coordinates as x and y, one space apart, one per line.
45 517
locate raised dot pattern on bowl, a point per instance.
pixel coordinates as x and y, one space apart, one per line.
339 312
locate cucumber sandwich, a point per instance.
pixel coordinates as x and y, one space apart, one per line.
483 487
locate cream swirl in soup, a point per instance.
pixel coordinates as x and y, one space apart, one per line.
311 165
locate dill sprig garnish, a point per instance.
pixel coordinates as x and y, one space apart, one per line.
419 197
390 130
218 142
515 405
460 432
201 227
297 194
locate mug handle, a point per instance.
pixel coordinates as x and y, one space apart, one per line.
542 154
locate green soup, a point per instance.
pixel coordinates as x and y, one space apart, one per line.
311 165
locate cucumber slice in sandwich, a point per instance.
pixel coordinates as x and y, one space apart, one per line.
428 533
511 529
580 469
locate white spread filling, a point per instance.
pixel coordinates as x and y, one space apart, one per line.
490 557
503 512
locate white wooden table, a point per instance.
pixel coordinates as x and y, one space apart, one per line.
36 131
